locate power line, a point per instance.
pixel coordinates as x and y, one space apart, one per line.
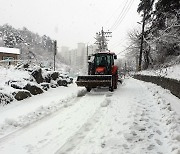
122 15
113 13
119 16
126 48
147 41
120 42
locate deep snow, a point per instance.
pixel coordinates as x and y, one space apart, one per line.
137 118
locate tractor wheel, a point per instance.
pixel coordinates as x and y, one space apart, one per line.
115 81
88 89
115 85
111 88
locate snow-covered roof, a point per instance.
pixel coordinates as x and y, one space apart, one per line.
9 50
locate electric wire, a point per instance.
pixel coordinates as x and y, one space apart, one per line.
119 21
119 16
126 49
113 14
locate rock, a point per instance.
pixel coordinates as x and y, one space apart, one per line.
47 78
53 86
26 65
55 75
15 86
5 99
33 89
37 74
45 86
20 95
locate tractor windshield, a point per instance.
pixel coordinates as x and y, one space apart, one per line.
103 60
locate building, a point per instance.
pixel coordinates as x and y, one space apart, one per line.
1 41
65 54
9 55
81 54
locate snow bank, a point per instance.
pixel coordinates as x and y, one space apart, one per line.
169 72
28 77
33 110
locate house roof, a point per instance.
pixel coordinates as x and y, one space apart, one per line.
10 50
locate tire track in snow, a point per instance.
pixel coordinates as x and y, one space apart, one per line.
80 135
77 121
52 132
87 127
140 128
29 126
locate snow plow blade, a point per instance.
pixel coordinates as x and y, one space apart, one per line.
94 81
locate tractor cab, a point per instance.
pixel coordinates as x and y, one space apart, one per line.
101 63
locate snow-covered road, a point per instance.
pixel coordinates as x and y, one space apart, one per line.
136 118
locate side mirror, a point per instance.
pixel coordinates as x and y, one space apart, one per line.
115 56
90 59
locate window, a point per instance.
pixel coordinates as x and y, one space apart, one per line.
8 58
100 58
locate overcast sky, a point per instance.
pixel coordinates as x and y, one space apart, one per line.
73 21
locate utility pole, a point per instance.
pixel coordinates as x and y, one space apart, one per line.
87 56
142 40
55 51
87 51
101 40
125 69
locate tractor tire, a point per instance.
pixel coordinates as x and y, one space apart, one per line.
115 85
88 89
115 81
111 88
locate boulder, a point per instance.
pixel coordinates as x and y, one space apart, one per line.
47 78
20 95
54 86
45 86
37 74
26 65
33 89
55 75
15 86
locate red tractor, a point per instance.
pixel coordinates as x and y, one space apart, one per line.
101 72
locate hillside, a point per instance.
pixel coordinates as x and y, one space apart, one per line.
36 48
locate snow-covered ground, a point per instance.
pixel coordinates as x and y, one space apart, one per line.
14 79
11 74
137 118
168 72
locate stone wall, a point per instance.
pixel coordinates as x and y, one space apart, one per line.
167 83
